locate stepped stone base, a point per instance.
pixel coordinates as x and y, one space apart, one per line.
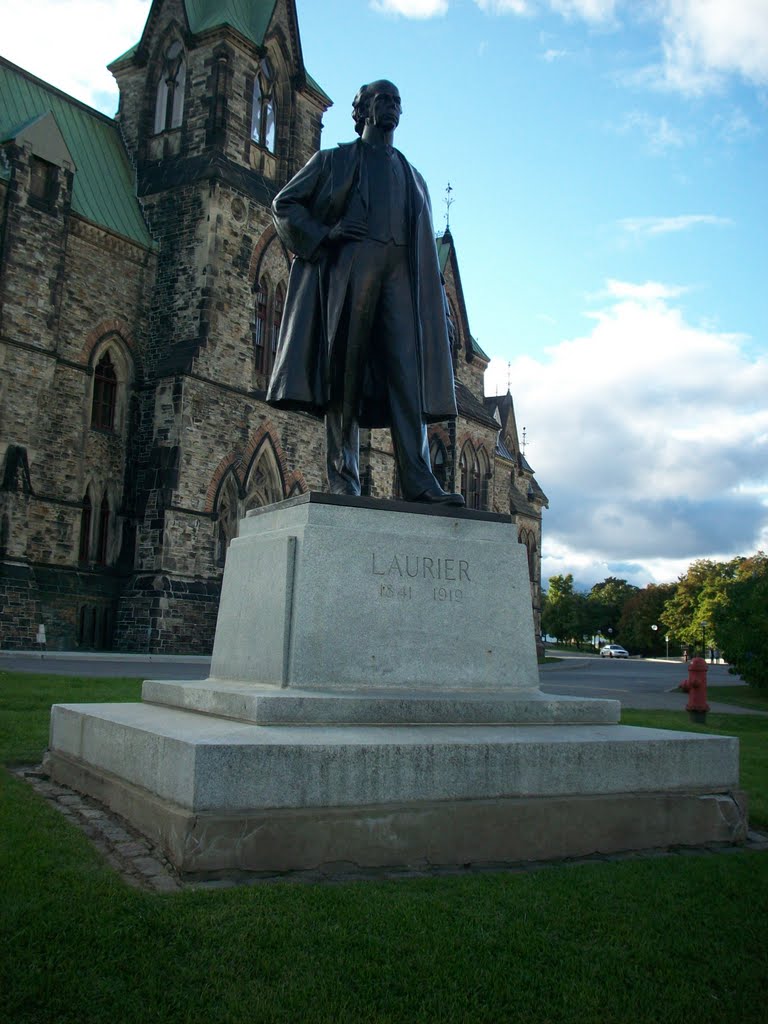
374 702
228 797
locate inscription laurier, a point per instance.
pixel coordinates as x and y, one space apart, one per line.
415 566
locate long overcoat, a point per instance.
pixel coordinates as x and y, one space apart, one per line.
304 211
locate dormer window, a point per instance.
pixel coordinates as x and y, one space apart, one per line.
264 115
42 179
169 106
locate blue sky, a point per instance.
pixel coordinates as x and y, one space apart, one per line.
609 161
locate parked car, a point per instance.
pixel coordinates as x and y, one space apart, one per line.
613 651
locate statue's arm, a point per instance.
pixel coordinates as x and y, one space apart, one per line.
296 225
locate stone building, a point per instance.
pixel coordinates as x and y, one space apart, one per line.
141 292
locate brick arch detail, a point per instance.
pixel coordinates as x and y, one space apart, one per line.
243 459
466 439
95 336
435 430
259 251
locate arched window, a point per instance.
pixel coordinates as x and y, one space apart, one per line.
85 530
102 540
438 457
527 537
264 114
104 394
264 485
485 479
169 103
470 477
260 327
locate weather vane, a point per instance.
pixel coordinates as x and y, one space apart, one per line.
448 204
525 429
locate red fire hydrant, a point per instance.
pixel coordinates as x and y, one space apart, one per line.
696 687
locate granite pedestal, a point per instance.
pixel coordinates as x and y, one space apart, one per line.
374 702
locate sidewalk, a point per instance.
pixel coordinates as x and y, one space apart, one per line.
110 656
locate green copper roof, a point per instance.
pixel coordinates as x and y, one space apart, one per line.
250 18
103 191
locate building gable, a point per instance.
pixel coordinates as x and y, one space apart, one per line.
103 190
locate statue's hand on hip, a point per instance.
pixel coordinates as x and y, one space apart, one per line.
349 228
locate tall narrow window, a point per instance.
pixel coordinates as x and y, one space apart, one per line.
104 394
277 319
103 537
474 486
470 477
439 463
264 114
169 104
85 530
485 479
42 179
260 327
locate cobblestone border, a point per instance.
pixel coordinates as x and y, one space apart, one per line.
144 866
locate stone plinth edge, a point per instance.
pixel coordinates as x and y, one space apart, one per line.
417 835
263 706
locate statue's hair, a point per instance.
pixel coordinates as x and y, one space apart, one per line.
361 103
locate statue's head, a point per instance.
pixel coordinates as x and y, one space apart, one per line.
377 103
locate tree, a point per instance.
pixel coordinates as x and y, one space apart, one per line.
606 602
741 621
563 610
641 612
690 614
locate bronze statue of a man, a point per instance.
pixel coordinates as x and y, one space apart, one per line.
364 336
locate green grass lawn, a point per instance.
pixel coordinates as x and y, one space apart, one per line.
677 939
741 696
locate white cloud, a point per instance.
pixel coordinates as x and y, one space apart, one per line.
705 39
701 41
650 437
651 226
506 6
594 11
659 133
34 35
551 55
736 126
411 8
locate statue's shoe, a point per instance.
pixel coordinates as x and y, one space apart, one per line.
437 496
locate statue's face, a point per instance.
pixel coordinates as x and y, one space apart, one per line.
384 106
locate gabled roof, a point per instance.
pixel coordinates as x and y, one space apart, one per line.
471 407
251 18
103 190
445 246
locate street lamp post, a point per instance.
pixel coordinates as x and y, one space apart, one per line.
654 628
704 639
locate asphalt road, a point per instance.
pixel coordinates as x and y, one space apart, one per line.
635 682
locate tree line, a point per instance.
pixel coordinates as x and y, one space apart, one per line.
714 605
